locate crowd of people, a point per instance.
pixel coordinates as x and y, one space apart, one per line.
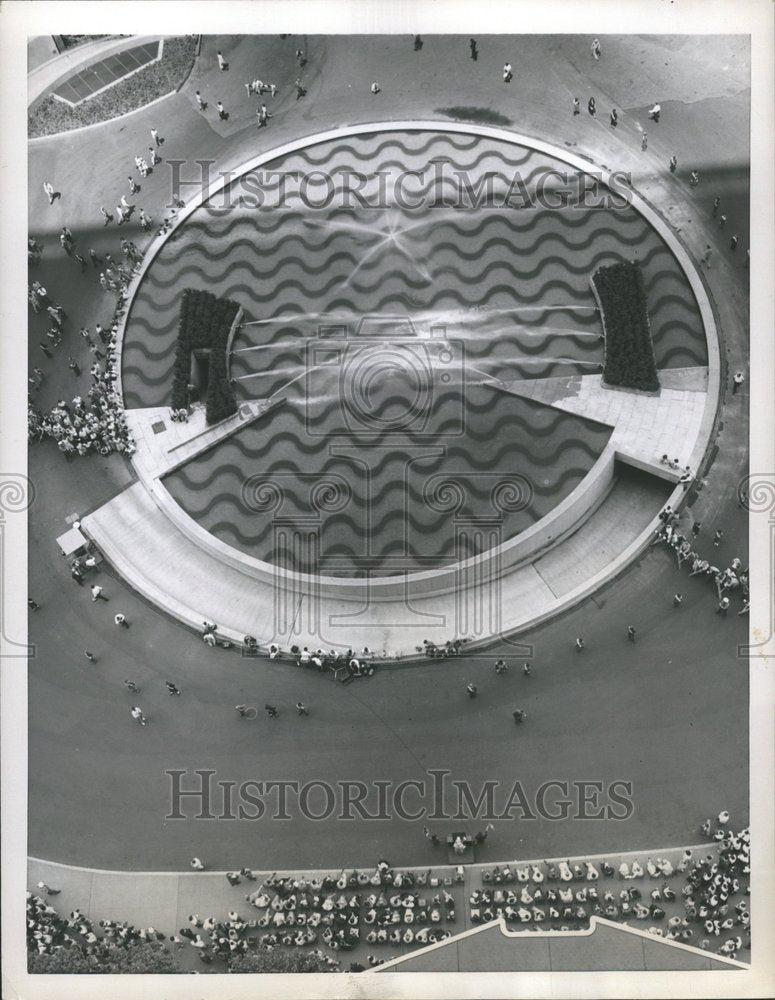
563 896
727 580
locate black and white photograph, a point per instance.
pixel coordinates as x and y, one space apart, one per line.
387 536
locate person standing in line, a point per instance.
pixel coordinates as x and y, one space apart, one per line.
473 49
120 620
50 193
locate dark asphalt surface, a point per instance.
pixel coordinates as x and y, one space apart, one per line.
668 714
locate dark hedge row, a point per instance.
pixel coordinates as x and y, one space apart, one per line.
629 352
204 322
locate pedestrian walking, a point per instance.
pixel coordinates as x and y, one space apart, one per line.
131 686
417 43
595 47
301 708
300 91
97 594
145 222
106 216
74 367
576 106
120 620
375 87
48 890
631 633
50 193
94 257
473 49
696 528
507 73
723 607
579 644
654 112
501 667
733 243
96 351
519 716
90 656
644 142
694 178
677 600
222 64
706 257
592 107
221 113
66 245
137 714
737 380
76 574
526 670
717 537
171 688
156 138
199 101
271 711
716 205
81 260
155 158
472 690
722 221
32 605
614 118
45 350
301 59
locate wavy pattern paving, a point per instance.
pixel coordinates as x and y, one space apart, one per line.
507 288
406 496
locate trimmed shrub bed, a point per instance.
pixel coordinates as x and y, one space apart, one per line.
160 78
629 351
204 323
